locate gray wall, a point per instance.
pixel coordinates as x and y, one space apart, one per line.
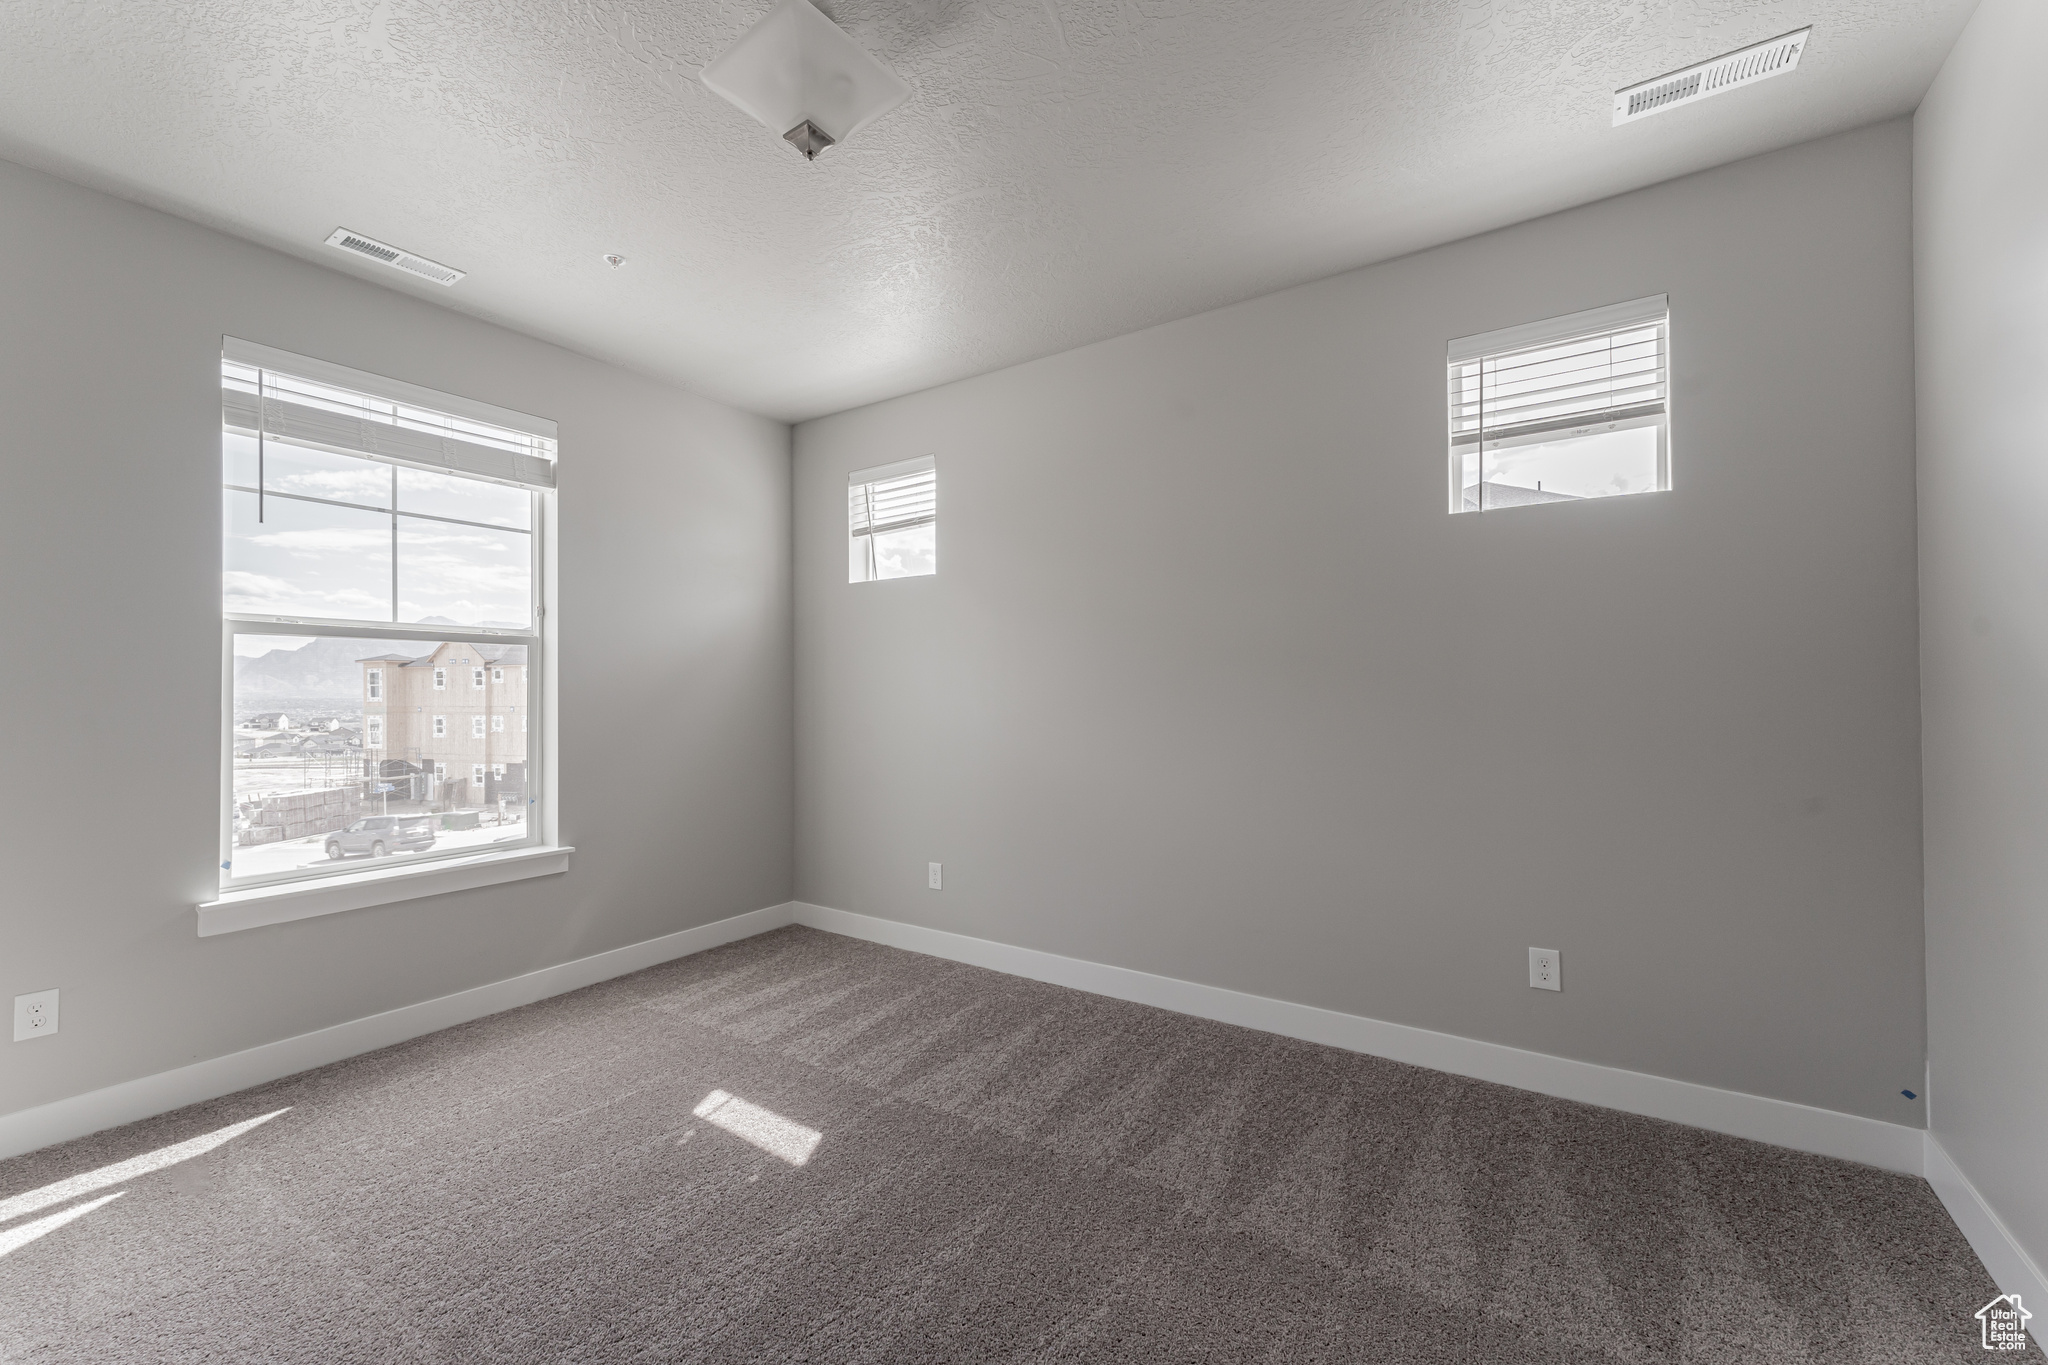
1209 684
1981 239
676 769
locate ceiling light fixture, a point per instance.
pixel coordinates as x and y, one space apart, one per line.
614 261
1689 85
801 75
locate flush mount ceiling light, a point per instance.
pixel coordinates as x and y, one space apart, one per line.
801 75
1744 66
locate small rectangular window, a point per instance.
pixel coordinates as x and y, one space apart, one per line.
440 727
497 725
376 683
497 675
498 771
1560 411
476 727
476 678
440 680
893 520
476 775
373 732
440 772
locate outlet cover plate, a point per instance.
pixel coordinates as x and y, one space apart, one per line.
35 1016
1546 971
931 876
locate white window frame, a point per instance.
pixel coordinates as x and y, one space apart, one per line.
497 675
476 775
374 681
476 726
498 771
477 678
497 725
1468 405
246 902
373 732
440 727
440 680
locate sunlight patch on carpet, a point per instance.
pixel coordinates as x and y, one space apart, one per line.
764 1128
119 1171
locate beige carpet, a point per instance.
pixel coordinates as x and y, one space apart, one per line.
902 1159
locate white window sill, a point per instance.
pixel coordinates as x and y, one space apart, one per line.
260 905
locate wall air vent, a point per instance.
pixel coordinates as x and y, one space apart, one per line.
393 257
1758 62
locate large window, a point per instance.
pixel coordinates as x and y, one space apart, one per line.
1577 407
893 521
380 542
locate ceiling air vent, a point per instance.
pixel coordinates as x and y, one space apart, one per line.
393 257
1758 62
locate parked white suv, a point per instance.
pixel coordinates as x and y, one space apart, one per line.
382 834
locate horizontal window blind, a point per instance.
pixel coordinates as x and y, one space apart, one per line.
260 402
1607 369
894 497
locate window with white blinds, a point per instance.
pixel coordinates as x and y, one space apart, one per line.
265 393
893 520
381 549
1564 410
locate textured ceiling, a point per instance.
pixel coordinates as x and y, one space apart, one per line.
1065 170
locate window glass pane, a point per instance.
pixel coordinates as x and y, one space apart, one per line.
906 554
306 559
315 785
1603 465
464 575
445 495
310 473
1465 462
1585 415
892 518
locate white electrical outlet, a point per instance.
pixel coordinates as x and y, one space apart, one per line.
1545 972
35 1016
931 875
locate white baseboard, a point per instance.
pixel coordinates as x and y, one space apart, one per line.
1892 1146
1888 1145
1988 1236
62 1120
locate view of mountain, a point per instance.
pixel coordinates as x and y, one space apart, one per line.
324 668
